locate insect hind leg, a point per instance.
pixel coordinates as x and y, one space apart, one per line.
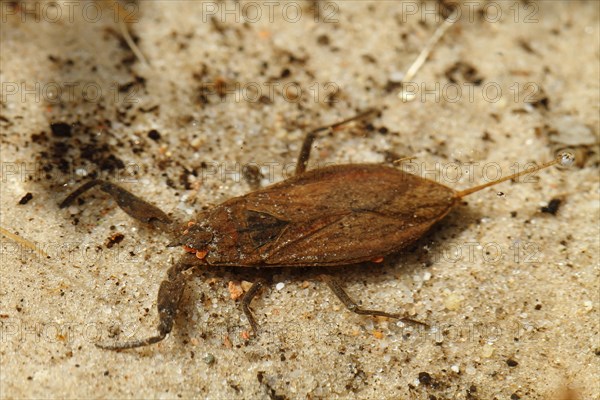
312 135
127 201
351 305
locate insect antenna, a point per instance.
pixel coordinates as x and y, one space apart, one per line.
564 159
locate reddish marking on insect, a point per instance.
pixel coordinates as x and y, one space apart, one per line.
377 260
189 249
201 254
191 223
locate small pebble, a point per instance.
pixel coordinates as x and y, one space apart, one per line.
396 76
25 199
81 172
235 290
424 378
452 302
209 359
552 207
154 135
487 351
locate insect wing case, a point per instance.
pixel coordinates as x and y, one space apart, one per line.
337 215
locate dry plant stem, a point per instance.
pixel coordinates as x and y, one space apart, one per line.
23 241
131 43
422 57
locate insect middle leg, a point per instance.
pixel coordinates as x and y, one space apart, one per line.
248 296
169 298
312 135
130 203
351 305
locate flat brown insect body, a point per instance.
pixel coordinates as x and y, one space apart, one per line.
334 216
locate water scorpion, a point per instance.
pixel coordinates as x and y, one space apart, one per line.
333 216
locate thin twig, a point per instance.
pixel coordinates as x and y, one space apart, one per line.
129 40
420 60
23 241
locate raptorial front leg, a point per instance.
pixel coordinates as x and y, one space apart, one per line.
169 298
130 203
351 305
248 296
312 135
